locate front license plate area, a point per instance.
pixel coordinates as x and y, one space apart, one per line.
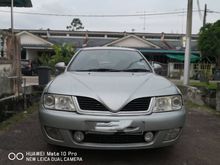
113 127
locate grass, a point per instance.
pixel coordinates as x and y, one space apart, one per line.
5 125
196 83
191 105
210 85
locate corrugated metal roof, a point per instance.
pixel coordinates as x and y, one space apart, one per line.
17 3
166 51
78 42
180 57
174 44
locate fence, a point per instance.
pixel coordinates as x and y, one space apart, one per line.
204 69
175 70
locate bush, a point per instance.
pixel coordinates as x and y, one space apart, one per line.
62 53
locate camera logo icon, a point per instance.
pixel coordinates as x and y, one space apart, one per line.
15 156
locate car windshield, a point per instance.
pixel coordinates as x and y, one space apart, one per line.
109 61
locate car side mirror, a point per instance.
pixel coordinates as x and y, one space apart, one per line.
60 67
157 68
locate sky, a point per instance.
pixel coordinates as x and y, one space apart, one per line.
175 23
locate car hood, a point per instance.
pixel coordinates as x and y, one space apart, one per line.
114 90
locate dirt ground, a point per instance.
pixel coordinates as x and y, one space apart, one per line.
198 145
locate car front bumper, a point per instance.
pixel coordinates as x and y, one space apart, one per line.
66 123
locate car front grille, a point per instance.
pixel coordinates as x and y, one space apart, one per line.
86 103
139 104
113 139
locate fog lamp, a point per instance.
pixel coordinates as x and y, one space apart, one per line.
148 136
78 136
53 133
172 134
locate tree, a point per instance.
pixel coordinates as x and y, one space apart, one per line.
62 53
209 42
44 59
75 25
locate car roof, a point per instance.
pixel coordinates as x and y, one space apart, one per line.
108 48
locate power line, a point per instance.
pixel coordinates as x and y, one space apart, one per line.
100 15
216 12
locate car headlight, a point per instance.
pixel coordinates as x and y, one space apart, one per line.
168 103
58 102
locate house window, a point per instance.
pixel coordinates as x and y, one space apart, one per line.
196 66
23 54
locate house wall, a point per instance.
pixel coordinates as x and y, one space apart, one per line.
27 40
5 67
132 42
5 72
9 72
1 46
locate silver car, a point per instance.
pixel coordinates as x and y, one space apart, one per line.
110 98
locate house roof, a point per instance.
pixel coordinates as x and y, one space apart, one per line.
35 47
100 38
175 44
31 39
138 39
168 36
180 57
92 40
143 50
79 41
17 3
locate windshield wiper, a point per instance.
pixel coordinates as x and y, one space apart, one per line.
98 70
136 70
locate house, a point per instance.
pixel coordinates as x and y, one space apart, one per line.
33 45
166 49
